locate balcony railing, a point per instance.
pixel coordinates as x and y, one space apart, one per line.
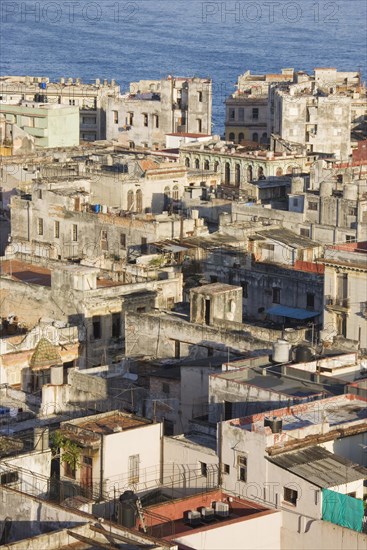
337 303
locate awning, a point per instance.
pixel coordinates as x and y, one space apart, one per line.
292 312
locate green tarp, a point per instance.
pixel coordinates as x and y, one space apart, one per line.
342 510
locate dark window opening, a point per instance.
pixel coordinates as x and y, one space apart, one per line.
276 295
204 469
97 328
310 300
242 468
116 325
290 495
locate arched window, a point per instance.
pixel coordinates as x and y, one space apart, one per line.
289 169
237 175
264 138
241 137
279 172
227 174
255 137
197 164
187 162
231 136
249 173
260 173
139 201
206 165
130 200
175 193
216 166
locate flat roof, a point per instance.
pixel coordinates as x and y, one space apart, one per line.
25 272
320 467
339 411
87 430
215 288
167 520
278 383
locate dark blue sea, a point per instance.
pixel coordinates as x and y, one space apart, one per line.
153 38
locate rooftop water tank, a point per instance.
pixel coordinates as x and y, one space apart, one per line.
127 510
274 423
281 349
303 354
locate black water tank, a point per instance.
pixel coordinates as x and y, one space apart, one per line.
303 354
127 511
274 423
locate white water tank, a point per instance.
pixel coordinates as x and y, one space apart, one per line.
281 350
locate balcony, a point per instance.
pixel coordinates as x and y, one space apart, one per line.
333 303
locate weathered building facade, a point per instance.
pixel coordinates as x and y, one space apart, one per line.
154 108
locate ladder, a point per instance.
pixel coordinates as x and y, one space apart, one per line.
141 514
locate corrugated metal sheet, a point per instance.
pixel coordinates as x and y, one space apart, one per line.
320 467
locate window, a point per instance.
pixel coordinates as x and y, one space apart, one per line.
241 137
139 200
241 114
145 120
255 113
197 164
116 325
97 329
123 240
351 211
130 200
310 300
232 114
131 119
115 117
216 166
276 295
9 477
313 206
156 121
69 470
200 97
290 495
200 125
134 461
175 193
206 165
187 162
225 469
40 226
295 202
71 101
40 193
244 285
231 137
75 233
279 172
204 469
304 232
242 467
255 137
165 388
350 238
57 230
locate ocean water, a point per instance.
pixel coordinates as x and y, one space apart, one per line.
133 40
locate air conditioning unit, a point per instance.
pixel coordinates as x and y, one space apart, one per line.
207 513
222 509
193 518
